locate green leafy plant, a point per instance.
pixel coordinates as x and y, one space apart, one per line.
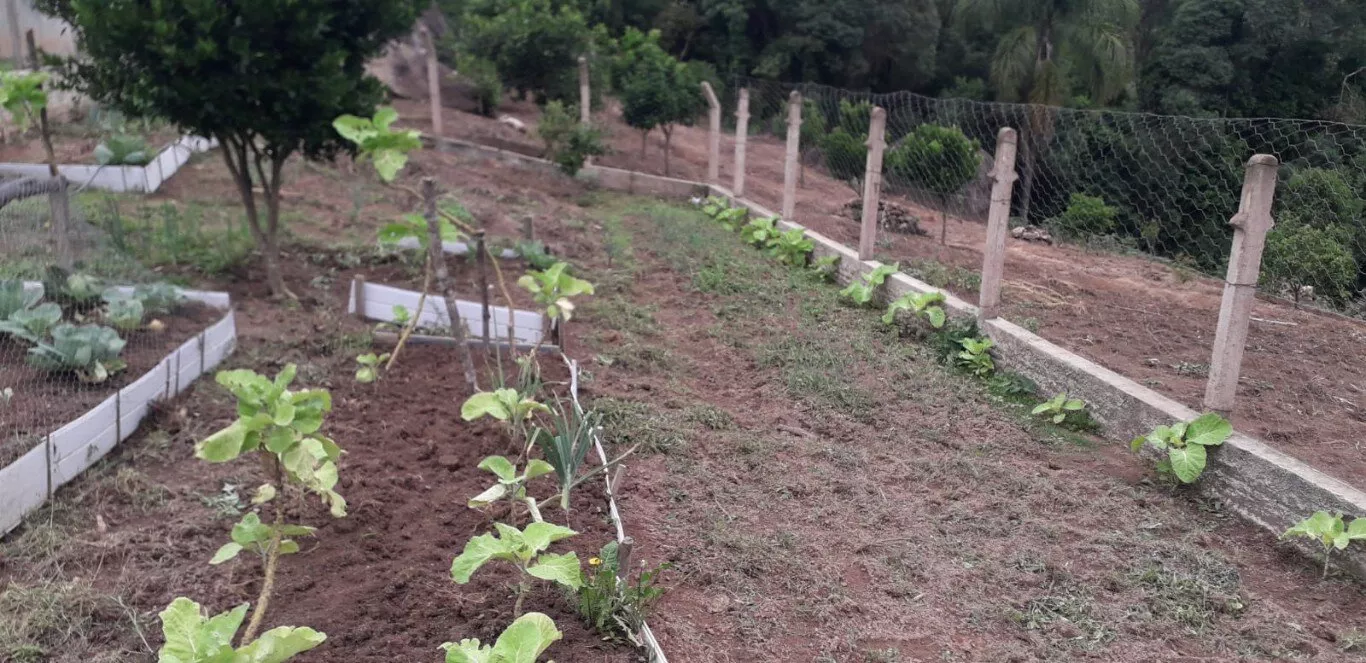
123 312
487 84
524 549
617 606
566 444
22 96
921 305
860 292
32 324
732 218
158 298
791 248
1085 216
89 351
284 428
13 297
252 535
568 142
510 484
714 205
940 160
523 641
193 637
1186 444
975 356
508 406
369 366
414 226
656 90
760 232
553 288
1330 531
80 290
827 268
1057 409
535 254
375 141
120 150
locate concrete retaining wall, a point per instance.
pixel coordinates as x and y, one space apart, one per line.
121 179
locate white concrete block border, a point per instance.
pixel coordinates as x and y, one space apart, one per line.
121 179
379 301
64 453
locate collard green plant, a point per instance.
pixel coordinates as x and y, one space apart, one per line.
252 535
975 357
22 96
13 297
1186 444
553 288
510 485
524 549
124 313
791 248
414 226
714 205
80 290
828 268
376 142
860 292
120 150
616 608
32 324
158 298
283 424
193 637
1057 408
921 305
1329 531
523 641
89 351
369 366
760 232
732 218
508 406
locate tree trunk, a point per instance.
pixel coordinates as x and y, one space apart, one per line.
668 139
241 156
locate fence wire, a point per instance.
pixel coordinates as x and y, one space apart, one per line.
38 393
1165 186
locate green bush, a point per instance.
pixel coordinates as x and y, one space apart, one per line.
568 142
535 44
487 83
1299 255
1085 216
846 155
1321 198
855 116
940 160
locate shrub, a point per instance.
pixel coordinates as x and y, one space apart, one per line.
855 116
483 76
1321 198
1085 216
535 44
846 155
568 142
1298 255
656 90
940 160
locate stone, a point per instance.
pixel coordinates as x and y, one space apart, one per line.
513 122
891 216
1031 234
449 461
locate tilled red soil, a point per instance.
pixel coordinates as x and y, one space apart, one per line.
44 401
1300 388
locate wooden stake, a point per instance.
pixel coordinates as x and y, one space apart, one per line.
528 228
482 258
872 182
794 146
359 297
713 134
437 255
624 549
59 204
433 78
1250 226
741 135
998 220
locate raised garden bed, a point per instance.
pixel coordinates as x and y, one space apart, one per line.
120 179
381 303
39 456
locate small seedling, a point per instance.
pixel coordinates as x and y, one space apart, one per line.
714 205
369 366
507 406
523 641
552 289
1185 444
922 305
566 446
861 292
975 356
510 484
525 549
388 149
253 535
1330 531
1058 407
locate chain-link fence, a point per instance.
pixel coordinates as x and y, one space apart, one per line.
70 334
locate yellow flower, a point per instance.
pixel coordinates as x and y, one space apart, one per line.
593 561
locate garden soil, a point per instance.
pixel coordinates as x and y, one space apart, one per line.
1301 389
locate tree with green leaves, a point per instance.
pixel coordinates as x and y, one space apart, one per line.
265 79
1045 45
939 160
656 90
534 44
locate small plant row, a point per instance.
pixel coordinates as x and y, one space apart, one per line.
88 349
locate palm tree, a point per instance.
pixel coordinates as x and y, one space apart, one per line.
1046 46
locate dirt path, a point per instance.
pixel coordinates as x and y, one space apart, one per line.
1300 390
829 491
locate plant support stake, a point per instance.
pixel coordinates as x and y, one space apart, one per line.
1250 226
482 257
998 220
443 278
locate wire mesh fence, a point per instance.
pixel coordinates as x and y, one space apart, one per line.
1165 186
79 318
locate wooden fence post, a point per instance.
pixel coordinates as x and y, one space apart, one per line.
872 182
713 134
1250 226
741 134
998 221
433 78
794 146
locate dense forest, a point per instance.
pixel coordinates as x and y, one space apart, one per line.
1139 114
